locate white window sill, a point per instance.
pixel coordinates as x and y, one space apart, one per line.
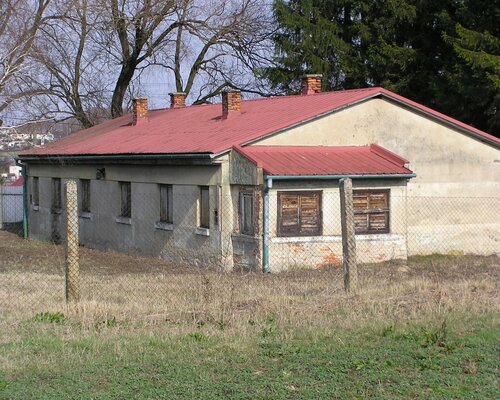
124 220
244 237
380 237
202 231
86 215
35 208
164 226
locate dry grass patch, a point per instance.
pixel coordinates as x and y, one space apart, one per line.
145 291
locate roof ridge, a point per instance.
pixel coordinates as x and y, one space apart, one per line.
299 96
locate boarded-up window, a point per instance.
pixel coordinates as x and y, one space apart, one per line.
56 194
371 211
299 214
166 204
204 207
35 191
246 213
85 185
126 199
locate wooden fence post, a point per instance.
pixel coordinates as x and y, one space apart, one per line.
71 261
348 236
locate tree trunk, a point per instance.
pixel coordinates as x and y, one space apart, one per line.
122 84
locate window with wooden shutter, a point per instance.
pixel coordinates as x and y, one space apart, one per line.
246 213
35 191
56 194
299 214
85 195
371 211
204 209
166 204
126 199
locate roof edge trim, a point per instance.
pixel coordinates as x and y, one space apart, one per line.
334 177
113 156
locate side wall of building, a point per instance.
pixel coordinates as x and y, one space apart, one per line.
456 191
182 241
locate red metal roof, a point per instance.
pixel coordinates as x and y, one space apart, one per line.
200 129
17 182
325 160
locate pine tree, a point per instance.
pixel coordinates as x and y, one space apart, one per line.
442 54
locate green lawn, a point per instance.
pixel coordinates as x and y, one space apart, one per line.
459 358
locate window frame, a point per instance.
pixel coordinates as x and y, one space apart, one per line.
204 215
35 191
86 202
368 211
281 232
166 204
56 195
125 199
242 213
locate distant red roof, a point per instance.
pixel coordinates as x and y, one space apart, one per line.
325 160
200 129
17 182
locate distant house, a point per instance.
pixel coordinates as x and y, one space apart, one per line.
239 184
11 205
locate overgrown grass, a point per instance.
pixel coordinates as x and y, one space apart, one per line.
145 329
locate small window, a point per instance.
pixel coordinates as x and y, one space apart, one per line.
246 213
204 207
371 211
85 185
56 194
35 191
126 199
299 214
166 204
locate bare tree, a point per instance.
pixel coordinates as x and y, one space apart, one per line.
75 73
216 42
219 44
19 25
88 53
131 31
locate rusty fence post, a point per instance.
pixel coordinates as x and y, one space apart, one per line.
348 236
71 261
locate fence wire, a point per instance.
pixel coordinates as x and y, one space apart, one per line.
194 251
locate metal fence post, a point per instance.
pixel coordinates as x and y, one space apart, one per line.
71 261
348 236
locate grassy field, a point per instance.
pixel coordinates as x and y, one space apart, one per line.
427 328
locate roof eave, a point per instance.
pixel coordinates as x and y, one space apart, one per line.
29 157
341 176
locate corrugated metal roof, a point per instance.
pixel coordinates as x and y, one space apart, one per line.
200 129
325 160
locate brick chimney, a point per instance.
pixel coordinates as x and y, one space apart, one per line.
231 103
311 84
177 100
139 110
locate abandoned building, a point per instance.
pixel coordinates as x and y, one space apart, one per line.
255 183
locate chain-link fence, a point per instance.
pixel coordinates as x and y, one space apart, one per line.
11 209
171 248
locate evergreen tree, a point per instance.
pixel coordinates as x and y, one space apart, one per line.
474 81
441 54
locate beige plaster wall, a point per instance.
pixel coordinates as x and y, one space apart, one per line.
454 198
446 161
